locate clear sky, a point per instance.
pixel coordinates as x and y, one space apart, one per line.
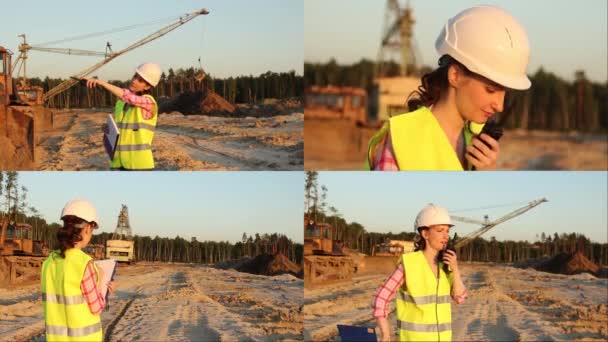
237 37
208 205
390 201
564 35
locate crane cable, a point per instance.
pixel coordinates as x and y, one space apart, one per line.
100 33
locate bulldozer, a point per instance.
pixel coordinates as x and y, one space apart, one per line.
22 118
21 257
385 256
324 259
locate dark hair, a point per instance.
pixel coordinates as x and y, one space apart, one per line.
434 84
69 234
419 241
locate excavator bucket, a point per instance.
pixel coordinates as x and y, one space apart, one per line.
20 269
17 138
377 264
320 270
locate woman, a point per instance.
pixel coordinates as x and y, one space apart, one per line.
484 51
424 283
70 280
135 114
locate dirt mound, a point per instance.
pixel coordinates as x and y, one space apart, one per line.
200 102
569 263
271 265
272 107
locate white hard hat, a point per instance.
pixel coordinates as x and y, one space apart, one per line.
149 72
82 209
432 215
489 42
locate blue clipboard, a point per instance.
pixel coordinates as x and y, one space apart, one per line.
357 333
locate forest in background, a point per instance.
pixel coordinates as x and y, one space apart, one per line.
241 89
551 103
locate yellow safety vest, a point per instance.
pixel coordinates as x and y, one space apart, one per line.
134 148
424 312
66 313
419 143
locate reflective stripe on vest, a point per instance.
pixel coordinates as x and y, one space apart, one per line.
419 143
136 126
134 149
432 299
423 307
59 299
67 316
140 147
73 332
429 328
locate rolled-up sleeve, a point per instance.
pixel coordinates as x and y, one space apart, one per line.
145 103
91 291
386 292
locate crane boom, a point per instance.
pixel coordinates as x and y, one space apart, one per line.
71 81
68 51
489 225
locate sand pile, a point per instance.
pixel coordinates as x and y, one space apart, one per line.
200 102
266 264
568 263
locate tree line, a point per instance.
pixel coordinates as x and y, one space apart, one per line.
552 103
355 236
241 89
15 208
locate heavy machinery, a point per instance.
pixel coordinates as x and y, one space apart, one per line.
96 251
324 260
384 256
20 256
331 102
486 224
22 112
121 247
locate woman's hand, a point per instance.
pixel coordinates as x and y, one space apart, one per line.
91 82
105 129
482 156
111 287
450 259
382 325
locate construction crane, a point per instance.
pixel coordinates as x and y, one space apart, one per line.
486 224
121 248
397 40
108 55
123 227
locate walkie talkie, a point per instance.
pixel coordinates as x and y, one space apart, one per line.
450 246
492 128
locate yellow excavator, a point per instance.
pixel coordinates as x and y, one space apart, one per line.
20 256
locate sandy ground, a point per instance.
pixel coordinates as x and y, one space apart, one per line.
340 145
194 142
164 302
504 304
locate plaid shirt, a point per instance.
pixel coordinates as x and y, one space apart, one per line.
91 292
386 292
385 160
143 102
